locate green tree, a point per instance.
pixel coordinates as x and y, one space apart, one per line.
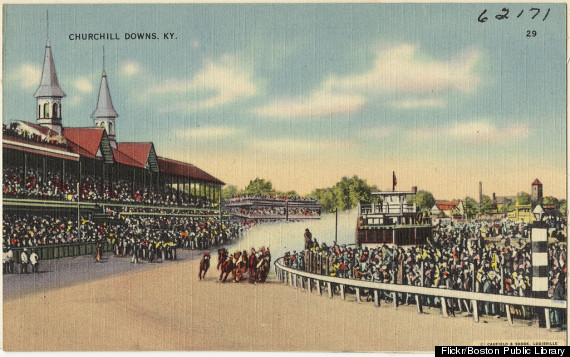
230 191
259 186
344 195
523 198
470 207
507 207
550 201
487 205
562 206
423 199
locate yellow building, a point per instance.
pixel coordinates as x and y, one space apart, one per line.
521 213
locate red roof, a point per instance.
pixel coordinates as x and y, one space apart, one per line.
182 169
125 159
84 141
136 151
42 129
536 183
446 206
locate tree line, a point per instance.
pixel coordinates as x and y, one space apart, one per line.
348 192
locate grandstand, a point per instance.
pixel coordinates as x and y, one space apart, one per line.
53 173
273 208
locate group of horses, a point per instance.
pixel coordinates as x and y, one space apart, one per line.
254 267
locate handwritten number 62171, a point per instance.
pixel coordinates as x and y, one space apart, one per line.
504 14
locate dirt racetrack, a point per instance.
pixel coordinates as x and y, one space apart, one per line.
167 308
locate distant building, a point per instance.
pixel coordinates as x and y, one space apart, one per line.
448 210
536 191
391 221
521 213
501 201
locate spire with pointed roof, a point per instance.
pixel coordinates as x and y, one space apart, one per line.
104 115
49 85
49 95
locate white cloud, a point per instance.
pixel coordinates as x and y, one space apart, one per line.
476 131
28 75
487 132
317 104
403 68
83 85
418 103
399 69
130 68
222 81
207 132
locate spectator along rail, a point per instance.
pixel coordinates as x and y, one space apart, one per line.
306 280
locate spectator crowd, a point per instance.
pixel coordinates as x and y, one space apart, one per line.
52 185
458 257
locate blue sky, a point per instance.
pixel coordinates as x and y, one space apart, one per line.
303 94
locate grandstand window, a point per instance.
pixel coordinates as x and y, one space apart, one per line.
110 131
46 110
55 110
39 111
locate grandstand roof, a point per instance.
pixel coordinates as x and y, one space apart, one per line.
125 159
536 183
182 169
143 153
89 142
137 151
84 141
42 129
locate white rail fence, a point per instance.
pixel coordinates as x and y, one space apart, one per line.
305 280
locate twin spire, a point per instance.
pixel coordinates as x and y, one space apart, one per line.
49 95
49 85
105 107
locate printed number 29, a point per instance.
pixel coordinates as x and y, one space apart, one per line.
530 33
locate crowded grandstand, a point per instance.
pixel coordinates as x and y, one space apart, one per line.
80 186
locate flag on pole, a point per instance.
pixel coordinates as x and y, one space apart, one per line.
394 182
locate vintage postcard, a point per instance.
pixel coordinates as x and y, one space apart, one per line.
317 177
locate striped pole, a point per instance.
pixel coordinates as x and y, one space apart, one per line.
539 261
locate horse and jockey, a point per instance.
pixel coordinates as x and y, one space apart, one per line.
253 267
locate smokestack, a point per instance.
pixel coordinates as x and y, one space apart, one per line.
494 197
480 192
414 189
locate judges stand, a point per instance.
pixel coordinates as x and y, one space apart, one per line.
539 261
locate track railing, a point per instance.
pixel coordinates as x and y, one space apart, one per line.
305 280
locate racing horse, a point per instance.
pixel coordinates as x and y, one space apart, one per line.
227 267
222 255
204 266
240 267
